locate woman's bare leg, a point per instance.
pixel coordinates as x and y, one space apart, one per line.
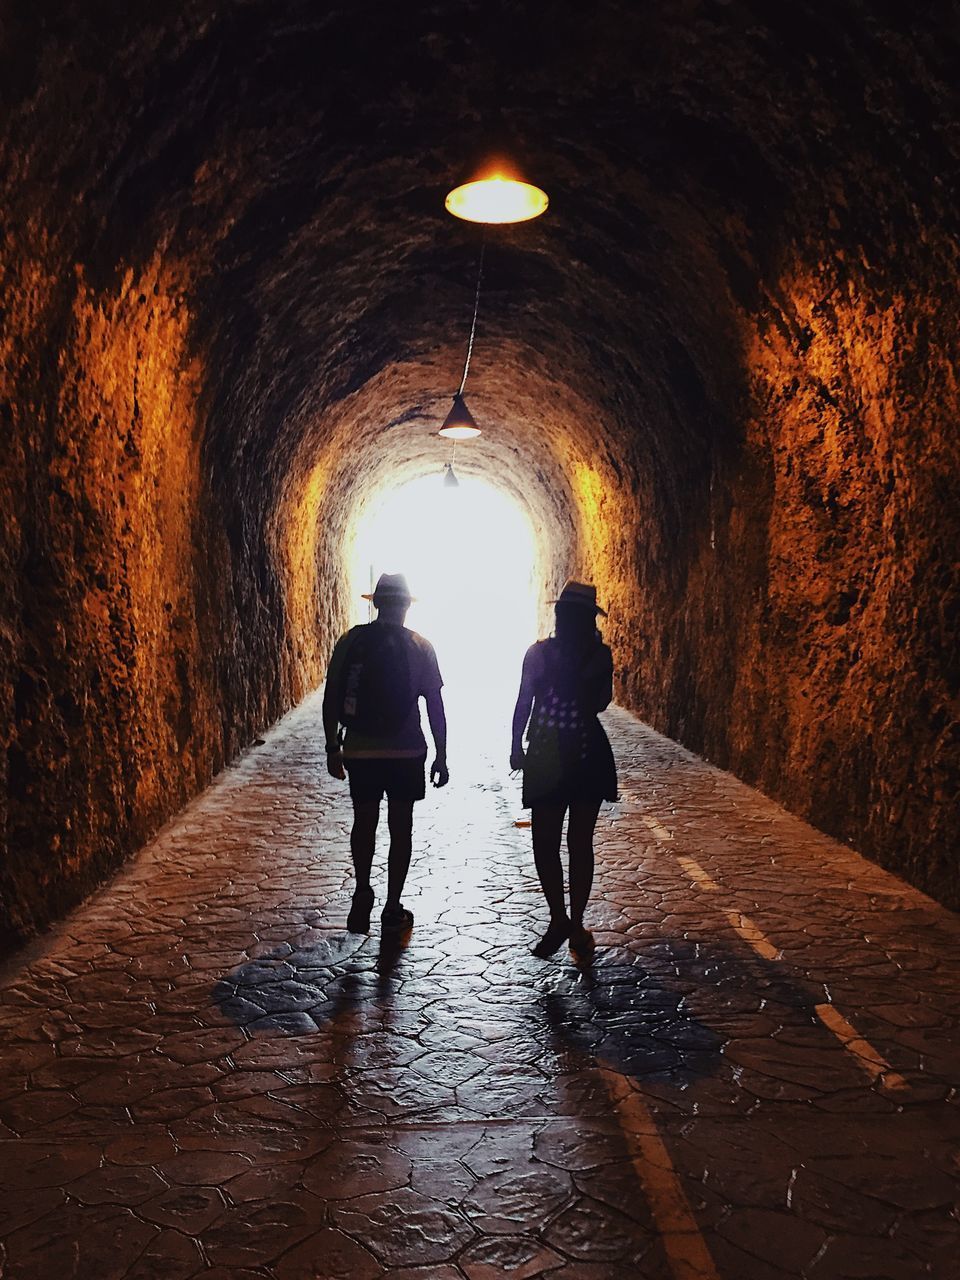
581 825
547 825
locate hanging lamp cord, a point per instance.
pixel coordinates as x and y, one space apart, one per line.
473 326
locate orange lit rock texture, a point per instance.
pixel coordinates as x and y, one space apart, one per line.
111 705
721 371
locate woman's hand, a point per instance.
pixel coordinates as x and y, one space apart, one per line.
517 759
335 765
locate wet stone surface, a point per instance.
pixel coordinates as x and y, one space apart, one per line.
203 1074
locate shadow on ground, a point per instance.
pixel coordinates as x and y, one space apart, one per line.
634 1014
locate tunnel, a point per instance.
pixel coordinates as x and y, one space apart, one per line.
718 377
720 373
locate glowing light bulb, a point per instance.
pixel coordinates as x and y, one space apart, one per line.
459 433
497 200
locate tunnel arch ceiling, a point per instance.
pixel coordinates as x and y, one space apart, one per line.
227 273
543 445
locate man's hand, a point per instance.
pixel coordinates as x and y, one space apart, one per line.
439 774
335 765
517 759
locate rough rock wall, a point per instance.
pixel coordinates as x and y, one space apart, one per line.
845 699
800 611
123 685
813 648
110 710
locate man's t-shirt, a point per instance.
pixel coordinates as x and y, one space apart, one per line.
423 673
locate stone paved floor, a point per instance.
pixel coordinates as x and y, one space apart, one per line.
202 1074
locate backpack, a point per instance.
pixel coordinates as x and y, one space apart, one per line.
376 689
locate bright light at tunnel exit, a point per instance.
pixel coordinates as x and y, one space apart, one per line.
472 559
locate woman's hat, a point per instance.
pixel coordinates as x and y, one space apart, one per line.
391 588
580 593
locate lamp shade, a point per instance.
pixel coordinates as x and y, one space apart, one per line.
496 199
459 423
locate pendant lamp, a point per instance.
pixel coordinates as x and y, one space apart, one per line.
459 424
495 198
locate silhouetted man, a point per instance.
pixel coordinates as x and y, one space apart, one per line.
378 673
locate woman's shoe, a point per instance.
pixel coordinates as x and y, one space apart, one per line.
358 921
582 941
558 931
396 918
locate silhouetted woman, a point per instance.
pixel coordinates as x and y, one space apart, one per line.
568 764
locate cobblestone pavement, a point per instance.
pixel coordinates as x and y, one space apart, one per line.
203 1074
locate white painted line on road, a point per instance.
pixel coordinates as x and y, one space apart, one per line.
656 827
697 873
685 1247
742 924
868 1058
873 1063
755 937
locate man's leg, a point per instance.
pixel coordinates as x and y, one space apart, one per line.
400 822
363 839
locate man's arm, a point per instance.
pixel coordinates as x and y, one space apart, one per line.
331 712
439 774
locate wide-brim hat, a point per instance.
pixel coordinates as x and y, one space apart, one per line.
391 588
583 594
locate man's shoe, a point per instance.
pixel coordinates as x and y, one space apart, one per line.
396 918
358 921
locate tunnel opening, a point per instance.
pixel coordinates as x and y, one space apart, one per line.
477 570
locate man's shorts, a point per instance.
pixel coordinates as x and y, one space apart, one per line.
400 779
